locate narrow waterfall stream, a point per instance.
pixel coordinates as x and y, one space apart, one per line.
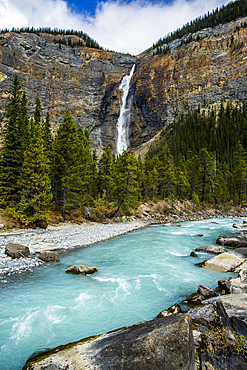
124 116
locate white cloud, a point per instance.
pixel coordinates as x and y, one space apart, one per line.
117 25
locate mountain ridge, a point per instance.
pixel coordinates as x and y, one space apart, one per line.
211 68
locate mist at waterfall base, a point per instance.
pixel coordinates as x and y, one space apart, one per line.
124 116
140 274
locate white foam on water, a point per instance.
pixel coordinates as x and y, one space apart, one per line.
82 298
178 254
52 313
23 328
177 233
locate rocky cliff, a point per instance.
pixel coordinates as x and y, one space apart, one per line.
86 81
80 79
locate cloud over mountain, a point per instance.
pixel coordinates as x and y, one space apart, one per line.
122 26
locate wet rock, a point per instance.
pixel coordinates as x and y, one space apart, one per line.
165 344
205 291
199 235
194 299
211 249
232 241
173 310
49 256
227 261
193 254
82 269
237 226
17 250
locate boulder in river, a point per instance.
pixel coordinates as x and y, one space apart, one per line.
17 250
82 269
194 300
157 344
193 254
205 291
227 261
176 224
211 249
173 310
48 256
232 241
237 226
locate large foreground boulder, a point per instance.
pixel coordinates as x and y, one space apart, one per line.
17 250
82 269
165 343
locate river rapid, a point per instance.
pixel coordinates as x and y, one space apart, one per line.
140 274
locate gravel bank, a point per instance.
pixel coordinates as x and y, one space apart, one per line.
63 237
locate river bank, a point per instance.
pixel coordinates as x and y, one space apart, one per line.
64 236
69 235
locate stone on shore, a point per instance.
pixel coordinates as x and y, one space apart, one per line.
234 285
17 250
82 269
235 304
211 249
173 310
49 256
165 343
205 291
232 241
217 348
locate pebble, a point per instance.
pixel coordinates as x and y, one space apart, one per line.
65 236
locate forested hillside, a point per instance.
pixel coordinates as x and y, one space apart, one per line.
207 148
225 14
201 156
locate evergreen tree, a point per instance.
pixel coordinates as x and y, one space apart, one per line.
47 136
125 188
37 112
105 180
15 138
67 167
36 196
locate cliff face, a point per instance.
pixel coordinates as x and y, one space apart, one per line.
86 81
82 80
207 71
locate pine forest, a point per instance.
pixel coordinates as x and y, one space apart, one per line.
201 156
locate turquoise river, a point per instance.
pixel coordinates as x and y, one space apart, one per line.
140 274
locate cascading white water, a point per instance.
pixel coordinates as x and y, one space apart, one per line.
124 116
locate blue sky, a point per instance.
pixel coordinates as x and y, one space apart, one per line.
121 25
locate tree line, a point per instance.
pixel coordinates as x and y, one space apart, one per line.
88 41
201 156
225 14
207 148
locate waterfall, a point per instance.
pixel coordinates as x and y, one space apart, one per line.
124 116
